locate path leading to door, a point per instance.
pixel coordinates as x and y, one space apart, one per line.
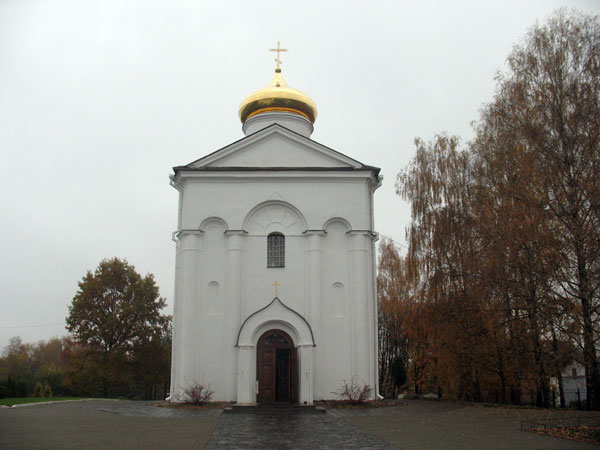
286 430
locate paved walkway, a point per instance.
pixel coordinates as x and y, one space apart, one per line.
287 430
105 424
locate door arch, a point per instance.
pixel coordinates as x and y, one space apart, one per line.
276 368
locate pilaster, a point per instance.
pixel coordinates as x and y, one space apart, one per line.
187 303
315 310
305 361
235 248
246 379
359 255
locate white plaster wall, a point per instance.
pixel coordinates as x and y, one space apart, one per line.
222 275
336 351
210 325
318 200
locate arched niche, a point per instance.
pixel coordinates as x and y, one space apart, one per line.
274 215
213 222
337 222
213 266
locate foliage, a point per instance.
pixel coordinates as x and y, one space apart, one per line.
500 287
152 365
115 308
122 342
582 433
38 390
16 365
393 290
24 365
398 372
198 394
354 393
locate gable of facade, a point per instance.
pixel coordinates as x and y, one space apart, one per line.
275 147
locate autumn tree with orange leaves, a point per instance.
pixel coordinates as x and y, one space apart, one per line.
504 243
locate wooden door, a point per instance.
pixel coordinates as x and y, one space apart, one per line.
266 375
276 368
282 377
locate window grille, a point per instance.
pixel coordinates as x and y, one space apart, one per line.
276 339
276 250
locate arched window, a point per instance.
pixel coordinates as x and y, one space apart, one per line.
275 250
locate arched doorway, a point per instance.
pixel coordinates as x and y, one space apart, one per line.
277 368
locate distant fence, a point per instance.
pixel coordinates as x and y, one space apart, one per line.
525 397
574 398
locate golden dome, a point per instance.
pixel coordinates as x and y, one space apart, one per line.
278 97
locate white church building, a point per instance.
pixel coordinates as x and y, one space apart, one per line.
275 285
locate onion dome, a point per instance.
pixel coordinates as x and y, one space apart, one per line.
278 97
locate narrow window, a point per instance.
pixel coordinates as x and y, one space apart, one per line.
338 300
275 250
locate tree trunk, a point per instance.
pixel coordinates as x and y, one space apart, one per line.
592 372
557 366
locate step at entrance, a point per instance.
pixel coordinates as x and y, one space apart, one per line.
274 408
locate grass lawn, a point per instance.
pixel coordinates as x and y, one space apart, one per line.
21 400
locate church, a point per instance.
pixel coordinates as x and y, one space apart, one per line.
275 283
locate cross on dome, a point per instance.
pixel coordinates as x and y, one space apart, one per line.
276 284
278 60
278 97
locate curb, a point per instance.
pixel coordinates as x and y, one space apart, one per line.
26 405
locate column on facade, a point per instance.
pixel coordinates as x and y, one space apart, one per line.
235 243
246 381
175 347
373 330
306 368
315 309
187 302
359 255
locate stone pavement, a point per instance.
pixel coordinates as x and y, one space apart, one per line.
106 424
422 424
289 430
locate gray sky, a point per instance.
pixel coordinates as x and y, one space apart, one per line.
99 99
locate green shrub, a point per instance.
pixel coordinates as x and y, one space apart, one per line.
47 391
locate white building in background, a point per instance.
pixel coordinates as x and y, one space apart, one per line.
574 384
275 275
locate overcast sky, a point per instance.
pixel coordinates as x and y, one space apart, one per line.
100 99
